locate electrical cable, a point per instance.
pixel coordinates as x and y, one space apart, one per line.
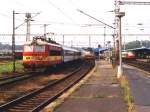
61 11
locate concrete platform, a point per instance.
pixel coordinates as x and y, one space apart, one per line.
139 82
101 93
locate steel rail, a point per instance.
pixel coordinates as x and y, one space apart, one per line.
13 79
48 101
34 95
141 65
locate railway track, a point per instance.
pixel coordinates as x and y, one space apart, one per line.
38 99
6 80
13 79
139 64
12 89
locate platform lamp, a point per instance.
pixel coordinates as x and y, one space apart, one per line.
120 70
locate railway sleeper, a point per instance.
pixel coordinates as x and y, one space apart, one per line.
29 103
26 108
14 110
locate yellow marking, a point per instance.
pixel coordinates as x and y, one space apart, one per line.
27 58
42 58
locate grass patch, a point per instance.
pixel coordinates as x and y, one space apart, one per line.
127 94
8 67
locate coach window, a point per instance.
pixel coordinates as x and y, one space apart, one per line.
67 53
55 53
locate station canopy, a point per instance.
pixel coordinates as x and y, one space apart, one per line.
99 49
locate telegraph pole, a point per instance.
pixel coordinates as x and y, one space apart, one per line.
45 25
89 41
63 39
28 16
104 36
120 70
45 31
13 43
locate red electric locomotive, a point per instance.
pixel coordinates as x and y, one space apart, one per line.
128 55
41 54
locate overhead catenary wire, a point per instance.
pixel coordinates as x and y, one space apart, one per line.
69 34
95 19
61 11
8 16
25 21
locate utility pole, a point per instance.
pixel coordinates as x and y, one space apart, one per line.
45 25
71 43
124 44
13 43
45 31
63 39
28 16
118 16
104 36
89 41
120 70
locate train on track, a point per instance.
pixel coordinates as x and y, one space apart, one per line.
7 55
128 55
40 53
137 53
87 55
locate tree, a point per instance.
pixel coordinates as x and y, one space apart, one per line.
137 44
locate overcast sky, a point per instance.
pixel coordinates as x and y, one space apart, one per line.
63 17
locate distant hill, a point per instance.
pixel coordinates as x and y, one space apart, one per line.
9 47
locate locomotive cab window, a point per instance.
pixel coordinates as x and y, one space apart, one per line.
39 48
28 48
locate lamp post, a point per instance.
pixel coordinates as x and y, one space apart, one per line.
120 70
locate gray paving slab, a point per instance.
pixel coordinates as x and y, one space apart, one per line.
101 93
96 91
140 88
92 105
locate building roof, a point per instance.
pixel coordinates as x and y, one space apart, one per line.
139 49
99 49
